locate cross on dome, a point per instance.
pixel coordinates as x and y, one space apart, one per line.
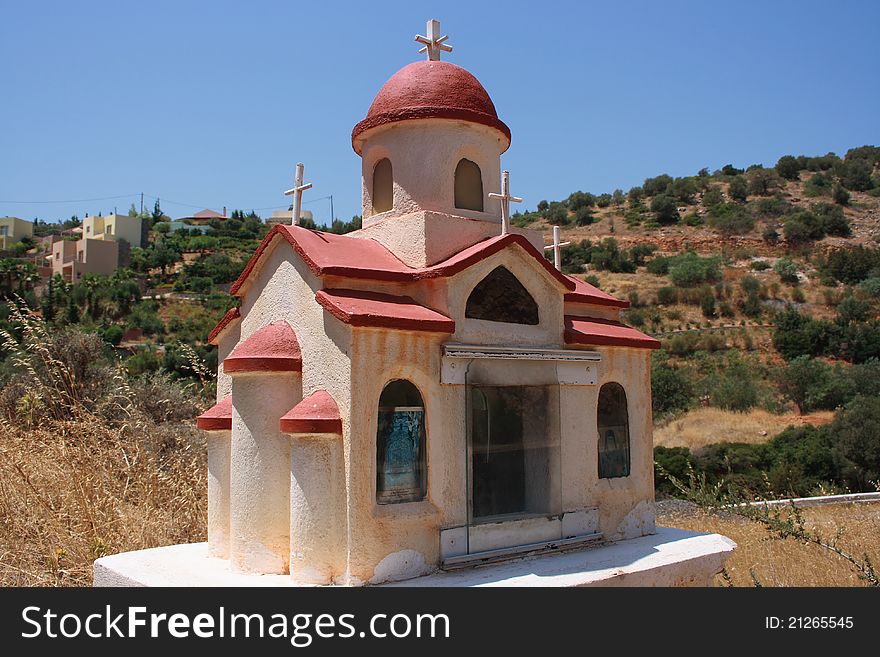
506 198
297 192
434 43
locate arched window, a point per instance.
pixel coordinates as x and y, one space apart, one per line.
613 421
468 186
400 444
383 186
500 297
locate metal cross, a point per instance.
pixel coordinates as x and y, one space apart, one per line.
297 192
433 42
506 198
557 248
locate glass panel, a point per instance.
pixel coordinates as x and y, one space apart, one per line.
613 425
399 467
514 452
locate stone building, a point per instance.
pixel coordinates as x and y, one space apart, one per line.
428 393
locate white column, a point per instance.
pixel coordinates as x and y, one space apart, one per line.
219 443
317 509
260 471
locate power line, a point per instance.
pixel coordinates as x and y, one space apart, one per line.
76 200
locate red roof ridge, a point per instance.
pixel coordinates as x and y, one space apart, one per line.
388 267
605 332
274 348
218 417
377 309
231 315
586 293
317 413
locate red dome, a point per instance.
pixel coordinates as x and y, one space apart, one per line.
430 90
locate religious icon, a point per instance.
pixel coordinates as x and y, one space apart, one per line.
400 471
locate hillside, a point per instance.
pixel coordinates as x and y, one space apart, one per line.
763 285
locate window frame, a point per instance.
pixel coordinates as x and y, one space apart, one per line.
601 429
387 497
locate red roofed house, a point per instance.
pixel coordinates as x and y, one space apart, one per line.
424 393
204 217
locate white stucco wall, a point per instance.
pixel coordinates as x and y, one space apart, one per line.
424 238
423 155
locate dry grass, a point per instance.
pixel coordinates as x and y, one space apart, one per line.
92 461
75 491
705 426
776 562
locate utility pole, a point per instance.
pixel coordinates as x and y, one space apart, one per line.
142 204
332 217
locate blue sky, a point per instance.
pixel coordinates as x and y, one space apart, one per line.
212 103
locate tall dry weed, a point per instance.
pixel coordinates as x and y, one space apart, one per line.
92 461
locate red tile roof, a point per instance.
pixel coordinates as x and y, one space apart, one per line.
360 308
317 413
353 257
208 214
218 417
430 90
231 315
586 293
274 348
605 332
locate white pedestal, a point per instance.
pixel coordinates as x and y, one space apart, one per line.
671 557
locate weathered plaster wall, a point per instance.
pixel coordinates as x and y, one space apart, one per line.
409 529
284 288
544 288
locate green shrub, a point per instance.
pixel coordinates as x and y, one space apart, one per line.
665 209
635 317
657 185
113 334
819 184
854 264
671 388
707 305
787 271
739 189
840 195
856 431
583 216
775 206
760 265
798 296
733 388
676 461
667 296
712 197
832 219
802 227
689 269
731 219
788 167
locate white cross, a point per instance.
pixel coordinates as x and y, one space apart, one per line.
433 42
557 248
297 191
506 198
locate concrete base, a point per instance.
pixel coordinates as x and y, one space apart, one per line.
671 557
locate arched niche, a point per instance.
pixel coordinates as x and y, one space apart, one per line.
383 186
468 186
500 297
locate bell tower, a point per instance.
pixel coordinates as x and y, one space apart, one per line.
431 147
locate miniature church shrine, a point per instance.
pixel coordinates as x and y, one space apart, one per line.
428 393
